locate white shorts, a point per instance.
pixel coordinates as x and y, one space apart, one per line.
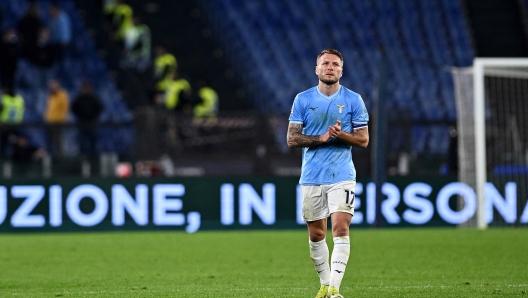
319 201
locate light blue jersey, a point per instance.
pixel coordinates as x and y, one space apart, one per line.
330 162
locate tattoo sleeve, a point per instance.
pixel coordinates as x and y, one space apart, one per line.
295 137
359 138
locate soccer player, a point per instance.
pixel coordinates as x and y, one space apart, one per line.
327 120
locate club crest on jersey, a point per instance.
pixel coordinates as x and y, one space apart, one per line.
340 107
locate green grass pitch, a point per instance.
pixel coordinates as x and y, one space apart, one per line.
383 263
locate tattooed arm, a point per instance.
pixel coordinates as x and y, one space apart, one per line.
295 137
360 137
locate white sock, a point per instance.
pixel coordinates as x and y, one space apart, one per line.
319 254
339 260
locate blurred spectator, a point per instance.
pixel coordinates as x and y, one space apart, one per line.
87 108
165 64
42 56
60 30
177 94
56 115
12 112
137 46
121 19
24 151
28 27
108 8
207 108
8 57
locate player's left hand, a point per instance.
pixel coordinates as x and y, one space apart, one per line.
335 129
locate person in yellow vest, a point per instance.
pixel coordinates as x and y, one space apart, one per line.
175 99
177 94
136 52
207 108
56 115
165 64
13 107
122 18
11 113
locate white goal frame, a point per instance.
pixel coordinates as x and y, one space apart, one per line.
480 67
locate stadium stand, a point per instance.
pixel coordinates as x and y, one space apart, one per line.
271 47
81 62
422 39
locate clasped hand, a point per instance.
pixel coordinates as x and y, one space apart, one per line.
333 132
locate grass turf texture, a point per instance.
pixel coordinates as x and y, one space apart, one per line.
383 263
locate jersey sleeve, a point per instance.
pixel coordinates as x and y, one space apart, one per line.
297 114
360 115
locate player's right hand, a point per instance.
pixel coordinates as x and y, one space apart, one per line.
326 137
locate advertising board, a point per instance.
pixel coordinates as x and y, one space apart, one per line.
194 204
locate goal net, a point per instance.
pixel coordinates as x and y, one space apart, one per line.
492 125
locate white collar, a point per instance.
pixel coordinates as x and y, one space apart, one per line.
328 96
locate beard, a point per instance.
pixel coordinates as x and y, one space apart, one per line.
329 82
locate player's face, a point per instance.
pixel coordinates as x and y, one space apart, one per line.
329 69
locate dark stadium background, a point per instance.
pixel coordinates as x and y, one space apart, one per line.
258 55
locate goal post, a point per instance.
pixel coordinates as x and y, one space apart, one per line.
492 101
